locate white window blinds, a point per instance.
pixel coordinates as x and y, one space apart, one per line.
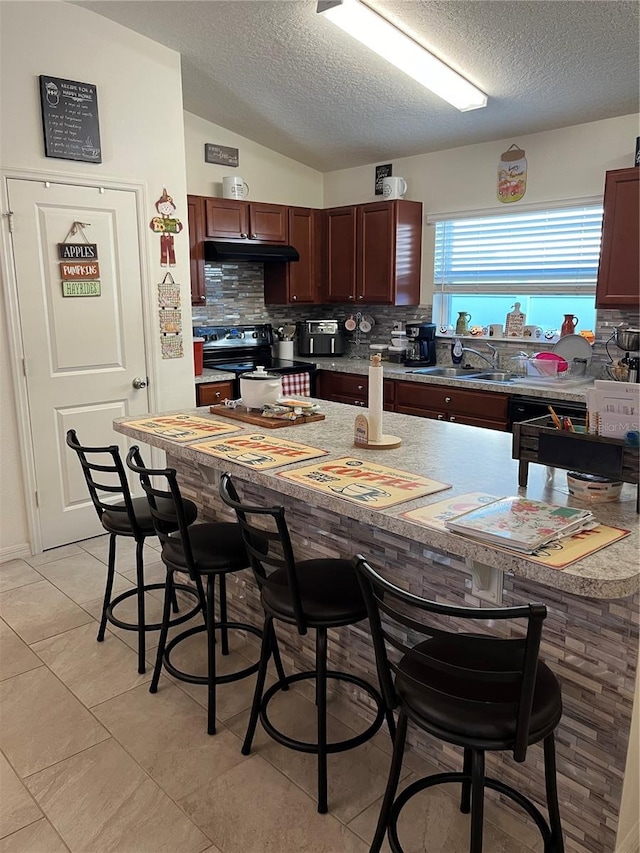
539 250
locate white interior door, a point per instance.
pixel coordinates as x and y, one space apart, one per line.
82 353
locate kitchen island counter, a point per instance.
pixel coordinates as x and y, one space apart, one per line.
590 637
467 458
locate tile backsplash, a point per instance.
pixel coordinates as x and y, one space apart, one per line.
235 294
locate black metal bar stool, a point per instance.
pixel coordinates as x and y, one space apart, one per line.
317 594
210 550
106 477
479 692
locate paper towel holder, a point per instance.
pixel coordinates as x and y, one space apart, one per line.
364 428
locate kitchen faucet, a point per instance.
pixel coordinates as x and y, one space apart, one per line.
493 361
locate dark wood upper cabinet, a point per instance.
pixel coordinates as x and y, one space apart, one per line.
374 253
228 219
340 282
618 273
195 213
296 282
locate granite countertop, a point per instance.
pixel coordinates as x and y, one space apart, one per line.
470 459
555 390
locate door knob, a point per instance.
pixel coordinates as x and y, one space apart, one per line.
139 383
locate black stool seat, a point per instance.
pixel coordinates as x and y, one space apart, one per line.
329 591
106 477
115 521
318 594
215 547
473 690
440 702
207 551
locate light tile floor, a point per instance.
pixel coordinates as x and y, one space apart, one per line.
91 761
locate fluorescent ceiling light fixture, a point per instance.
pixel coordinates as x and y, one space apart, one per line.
400 50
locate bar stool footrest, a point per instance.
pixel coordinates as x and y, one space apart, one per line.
312 747
155 626
442 778
173 670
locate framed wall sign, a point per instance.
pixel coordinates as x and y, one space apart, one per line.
382 172
221 154
70 119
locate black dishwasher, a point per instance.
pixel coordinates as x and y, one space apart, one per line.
523 408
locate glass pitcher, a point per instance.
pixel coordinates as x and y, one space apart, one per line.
462 323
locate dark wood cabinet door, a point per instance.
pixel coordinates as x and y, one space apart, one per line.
340 227
296 282
226 218
195 214
268 222
376 254
303 274
618 273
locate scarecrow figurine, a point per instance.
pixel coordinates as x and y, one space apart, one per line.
166 225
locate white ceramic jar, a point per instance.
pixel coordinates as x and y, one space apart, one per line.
259 388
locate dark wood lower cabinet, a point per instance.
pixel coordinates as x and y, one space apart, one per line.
350 388
440 402
209 393
448 403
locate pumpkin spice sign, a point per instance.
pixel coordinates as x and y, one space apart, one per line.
166 225
512 175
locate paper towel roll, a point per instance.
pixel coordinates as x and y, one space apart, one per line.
375 399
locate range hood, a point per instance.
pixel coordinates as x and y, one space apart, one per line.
221 250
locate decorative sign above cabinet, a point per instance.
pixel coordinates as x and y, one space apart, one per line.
220 154
382 172
70 119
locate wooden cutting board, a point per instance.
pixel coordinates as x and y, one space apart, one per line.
259 420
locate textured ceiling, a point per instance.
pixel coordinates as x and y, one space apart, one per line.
280 74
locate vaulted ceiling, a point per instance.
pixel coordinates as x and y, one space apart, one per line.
280 74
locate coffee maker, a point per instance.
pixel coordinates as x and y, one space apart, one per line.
421 344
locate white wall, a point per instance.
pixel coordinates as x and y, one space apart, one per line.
563 164
271 177
141 127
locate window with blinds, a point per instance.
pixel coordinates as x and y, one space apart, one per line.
552 249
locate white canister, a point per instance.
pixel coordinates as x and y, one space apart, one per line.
393 188
234 187
259 388
285 350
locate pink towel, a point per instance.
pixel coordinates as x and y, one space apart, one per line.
296 383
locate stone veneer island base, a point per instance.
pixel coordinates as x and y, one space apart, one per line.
590 637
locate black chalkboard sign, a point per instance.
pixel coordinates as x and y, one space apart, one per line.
70 119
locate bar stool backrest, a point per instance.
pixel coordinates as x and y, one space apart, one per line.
165 504
498 672
268 543
105 477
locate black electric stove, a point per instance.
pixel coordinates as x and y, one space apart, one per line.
240 349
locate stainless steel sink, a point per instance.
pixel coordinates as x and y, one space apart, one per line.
455 372
491 376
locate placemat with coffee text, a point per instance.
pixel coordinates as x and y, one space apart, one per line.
556 555
183 427
259 451
362 482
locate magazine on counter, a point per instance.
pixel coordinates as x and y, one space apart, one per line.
519 523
